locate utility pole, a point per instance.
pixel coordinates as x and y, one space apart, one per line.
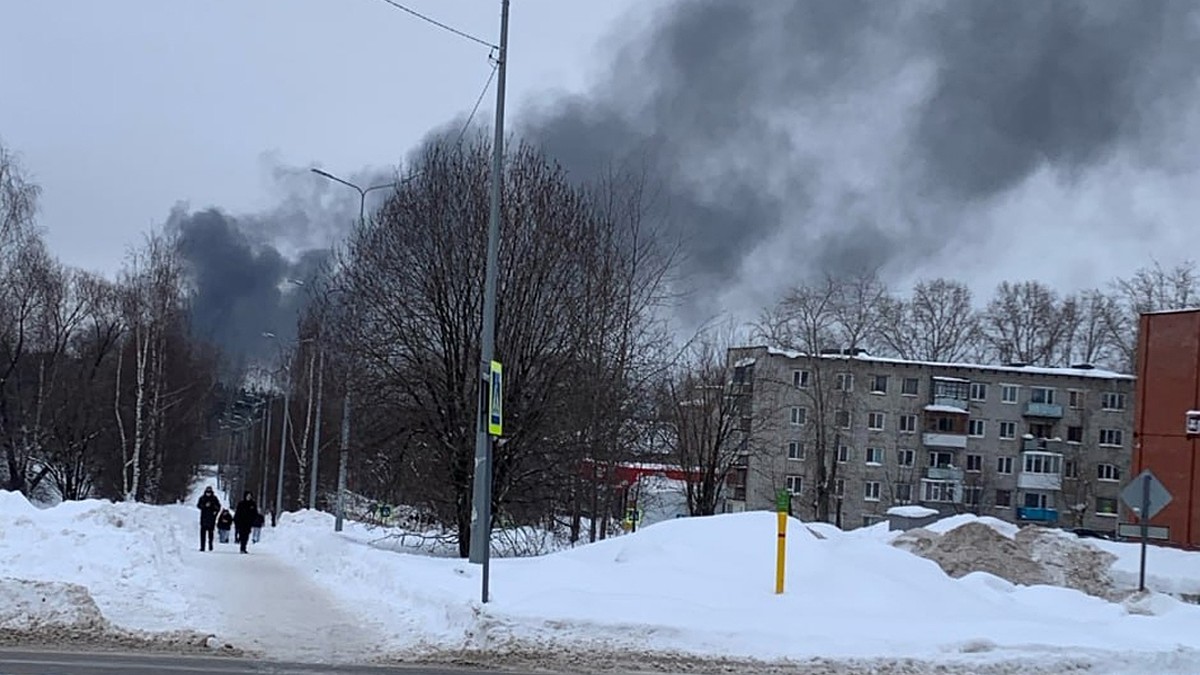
481 507
343 452
316 456
282 448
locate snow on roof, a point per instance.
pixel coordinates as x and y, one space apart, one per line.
912 511
937 407
943 378
749 361
1191 413
1093 373
1181 310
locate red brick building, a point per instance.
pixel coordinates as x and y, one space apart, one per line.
1167 405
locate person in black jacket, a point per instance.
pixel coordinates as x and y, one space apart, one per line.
243 519
224 523
256 532
209 507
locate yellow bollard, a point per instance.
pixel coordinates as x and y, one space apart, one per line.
782 501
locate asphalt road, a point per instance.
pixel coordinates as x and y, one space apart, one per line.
18 662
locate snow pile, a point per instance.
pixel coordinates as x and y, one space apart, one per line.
32 605
1168 570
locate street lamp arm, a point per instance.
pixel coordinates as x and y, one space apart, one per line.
334 178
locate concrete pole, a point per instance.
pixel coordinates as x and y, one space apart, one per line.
316 453
343 453
481 507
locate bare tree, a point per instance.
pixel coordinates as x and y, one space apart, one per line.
575 280
936 323
1150 289
709 417
1026 322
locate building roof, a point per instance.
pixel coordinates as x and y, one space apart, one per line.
1093 373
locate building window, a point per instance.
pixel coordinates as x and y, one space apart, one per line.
938 491
1008 393
1004 465
1112 400
795 450
839 487
869 519
1108 472
1106 506
1110 437
975 428
945 424
879 384
1041 395
1074 434
1036 500
871 491
941 459
1003 498
972 495
1075 399
874 455
911 386
876 420
798 416
1070 469
800 378
795 484
1008 430
843 454
906 457
1041 430
978 391
845 382
908 424
1037 462
974 462
902 492
842 419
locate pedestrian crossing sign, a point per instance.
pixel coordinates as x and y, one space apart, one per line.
495 400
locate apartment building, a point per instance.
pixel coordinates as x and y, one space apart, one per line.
1050 446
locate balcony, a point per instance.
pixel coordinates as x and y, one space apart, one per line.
944 473
948 404
1031 444
1039 481
1037 515
1052 410
933 439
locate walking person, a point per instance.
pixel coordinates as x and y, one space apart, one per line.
243 519
209 507
224 523
256 531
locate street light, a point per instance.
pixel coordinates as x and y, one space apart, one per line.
344 449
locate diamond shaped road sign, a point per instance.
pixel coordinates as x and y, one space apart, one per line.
1131 494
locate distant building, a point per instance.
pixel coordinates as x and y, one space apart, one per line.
1168 401
1026 444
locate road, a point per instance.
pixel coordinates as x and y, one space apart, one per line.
20 662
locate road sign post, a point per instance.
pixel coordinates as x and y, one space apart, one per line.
783 502
1145 495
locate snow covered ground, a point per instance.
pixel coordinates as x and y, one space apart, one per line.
680 591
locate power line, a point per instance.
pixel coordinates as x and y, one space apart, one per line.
441 25
486 85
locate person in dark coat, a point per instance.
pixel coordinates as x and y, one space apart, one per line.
209 507
256 532
224 523
243 519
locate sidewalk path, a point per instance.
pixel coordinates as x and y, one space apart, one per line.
265 606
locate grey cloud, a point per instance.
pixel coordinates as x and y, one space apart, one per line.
740 107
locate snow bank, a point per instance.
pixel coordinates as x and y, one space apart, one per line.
1168 570
680 586
127 555
946 524
32 605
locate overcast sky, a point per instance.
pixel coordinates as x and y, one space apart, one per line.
981 140
122 108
